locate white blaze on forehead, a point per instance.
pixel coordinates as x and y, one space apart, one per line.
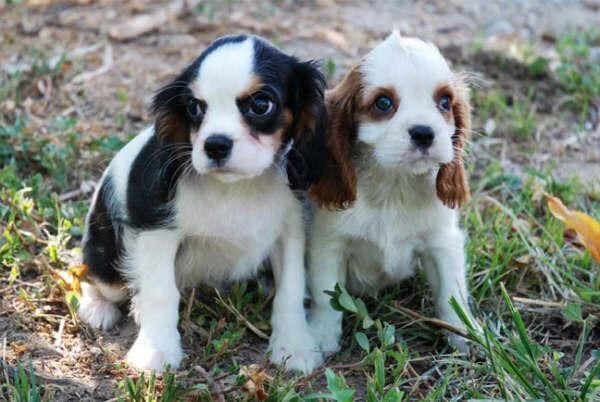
226 72
401 62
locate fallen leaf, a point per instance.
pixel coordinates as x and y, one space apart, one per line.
587 228
525 259
257 377
71 278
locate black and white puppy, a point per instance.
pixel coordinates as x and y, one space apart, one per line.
205 195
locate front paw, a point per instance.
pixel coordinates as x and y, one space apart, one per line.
460 343
155 354
295 350
327 333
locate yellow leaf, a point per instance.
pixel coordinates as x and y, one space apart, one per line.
587 228
79 270
70 279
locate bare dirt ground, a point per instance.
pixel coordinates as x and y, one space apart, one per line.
105 83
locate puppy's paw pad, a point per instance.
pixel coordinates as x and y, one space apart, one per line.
327 335
296 353
145 356
98 312
459 343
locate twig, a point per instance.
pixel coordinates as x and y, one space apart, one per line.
240 317
107 63
71 195
215 386
190 303
321 370
434 321
543 303
59 334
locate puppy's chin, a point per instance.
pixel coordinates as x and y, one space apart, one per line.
227 175
422 166
414 165
230 177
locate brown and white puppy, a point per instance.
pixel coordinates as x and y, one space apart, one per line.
398 123
205 195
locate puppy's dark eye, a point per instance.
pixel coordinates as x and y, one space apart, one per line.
383 104
195 110
260 106
444 103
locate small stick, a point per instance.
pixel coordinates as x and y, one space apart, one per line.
435 321
59 334
190 303
240 317
543 303
215 386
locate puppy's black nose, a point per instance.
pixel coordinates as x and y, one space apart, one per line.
218 147
421 136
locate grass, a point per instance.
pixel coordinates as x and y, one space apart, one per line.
515 113
578 71
535 291
22 387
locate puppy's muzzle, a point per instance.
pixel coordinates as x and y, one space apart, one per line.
218 147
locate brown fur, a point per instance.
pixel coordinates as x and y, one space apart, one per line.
255 85
171 129
337 187
368 107
451 182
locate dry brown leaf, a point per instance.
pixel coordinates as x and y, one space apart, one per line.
587 228
70 279
257 377
525 259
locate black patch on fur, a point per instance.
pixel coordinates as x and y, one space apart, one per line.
273 122
151 186
306 160
102 249
300 87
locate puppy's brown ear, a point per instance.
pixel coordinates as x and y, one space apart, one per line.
451 183
336 188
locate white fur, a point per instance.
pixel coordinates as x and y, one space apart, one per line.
397 219
96 309
224 75
414 69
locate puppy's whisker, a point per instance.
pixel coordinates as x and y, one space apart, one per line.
162 151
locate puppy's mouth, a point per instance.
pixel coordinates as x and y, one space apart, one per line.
229 175
424 156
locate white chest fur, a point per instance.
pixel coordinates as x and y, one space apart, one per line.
228 229
389 230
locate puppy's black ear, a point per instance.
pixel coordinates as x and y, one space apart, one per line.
168 109
305 159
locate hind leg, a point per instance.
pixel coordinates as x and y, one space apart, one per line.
98 304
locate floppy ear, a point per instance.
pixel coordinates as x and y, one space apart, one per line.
336 187
306 130
168 109
452 186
